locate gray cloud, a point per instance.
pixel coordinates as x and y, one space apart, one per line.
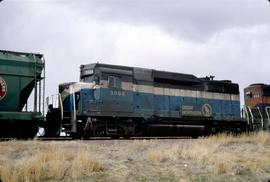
226 38
192 18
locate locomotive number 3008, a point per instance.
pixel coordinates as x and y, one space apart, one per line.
117 93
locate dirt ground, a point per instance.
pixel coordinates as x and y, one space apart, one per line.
216 158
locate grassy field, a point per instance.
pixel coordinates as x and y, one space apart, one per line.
216 158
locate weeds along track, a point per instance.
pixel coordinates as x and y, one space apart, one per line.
215 158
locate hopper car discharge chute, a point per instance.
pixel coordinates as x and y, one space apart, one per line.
20 75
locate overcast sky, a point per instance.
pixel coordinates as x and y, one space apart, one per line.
226 38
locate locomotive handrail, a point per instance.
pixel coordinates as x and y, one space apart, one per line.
260 116
53 99
268 115
61 106
35 87
251 114
246 111
44 84
74 106
74 117
250 118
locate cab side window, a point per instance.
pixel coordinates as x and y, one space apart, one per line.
111 81
114 82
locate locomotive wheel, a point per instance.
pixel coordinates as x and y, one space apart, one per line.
30 133
75 136
194 136
100 132
120 132
139 129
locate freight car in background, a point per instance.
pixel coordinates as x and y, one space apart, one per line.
21 75
257 106
116 101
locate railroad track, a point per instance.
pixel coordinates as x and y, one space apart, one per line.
67 138
37 138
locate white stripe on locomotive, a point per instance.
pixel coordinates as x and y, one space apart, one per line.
129 86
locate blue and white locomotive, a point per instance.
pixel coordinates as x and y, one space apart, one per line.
116 101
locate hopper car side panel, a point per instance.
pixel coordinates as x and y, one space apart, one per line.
20 74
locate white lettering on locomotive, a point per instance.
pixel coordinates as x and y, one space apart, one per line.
117 93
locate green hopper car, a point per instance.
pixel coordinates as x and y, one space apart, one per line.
21 77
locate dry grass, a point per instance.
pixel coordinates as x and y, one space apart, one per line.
222 154
216 158
158 156
44 162
230 154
